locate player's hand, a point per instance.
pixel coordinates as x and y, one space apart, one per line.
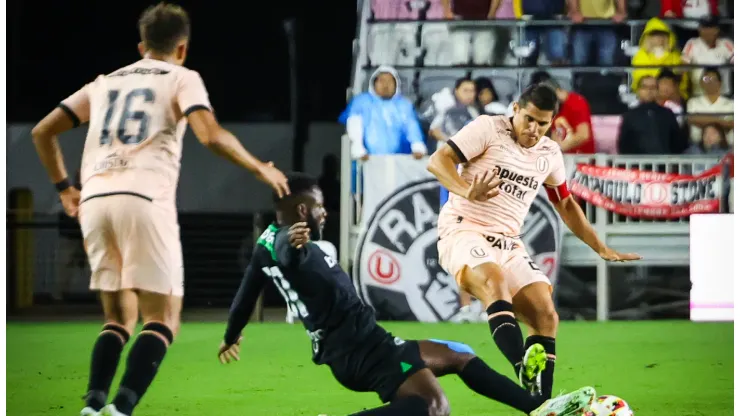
417 155
299 234
229 353
610 255
70 200
272 176
483 188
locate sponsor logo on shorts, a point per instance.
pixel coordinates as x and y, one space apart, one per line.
478 252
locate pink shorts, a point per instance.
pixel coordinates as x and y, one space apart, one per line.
469 248
132 243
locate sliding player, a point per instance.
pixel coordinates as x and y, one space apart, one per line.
343 331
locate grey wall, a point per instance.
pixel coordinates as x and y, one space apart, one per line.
207 182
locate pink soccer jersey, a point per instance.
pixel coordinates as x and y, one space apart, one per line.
488 144
136 123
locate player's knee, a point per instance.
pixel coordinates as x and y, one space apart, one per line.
547 320
160 330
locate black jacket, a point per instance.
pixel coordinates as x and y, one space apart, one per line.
651 129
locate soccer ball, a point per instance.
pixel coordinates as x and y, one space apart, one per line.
609 406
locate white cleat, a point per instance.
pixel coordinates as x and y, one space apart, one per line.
89 411
572 404
111 410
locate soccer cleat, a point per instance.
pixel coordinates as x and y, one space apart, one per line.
572 404
111 410
533 364
89 411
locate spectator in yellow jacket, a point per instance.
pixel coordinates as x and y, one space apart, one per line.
657 48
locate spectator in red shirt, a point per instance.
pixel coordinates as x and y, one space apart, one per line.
574 117
679 9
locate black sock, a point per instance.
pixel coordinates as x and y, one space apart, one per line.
142 364
405 406
506 332
482 379
105 356
548 376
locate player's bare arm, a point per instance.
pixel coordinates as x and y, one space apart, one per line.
47 146
573 217
223 143
443 165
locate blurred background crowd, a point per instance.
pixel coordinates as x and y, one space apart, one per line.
634 76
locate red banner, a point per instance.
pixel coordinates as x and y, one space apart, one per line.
644 194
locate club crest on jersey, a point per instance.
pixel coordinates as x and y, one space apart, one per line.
542 164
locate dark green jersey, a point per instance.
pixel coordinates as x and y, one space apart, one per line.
314 287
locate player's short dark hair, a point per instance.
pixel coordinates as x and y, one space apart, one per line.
541 96
299 183
162 26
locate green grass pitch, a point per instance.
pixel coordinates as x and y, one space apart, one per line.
661 368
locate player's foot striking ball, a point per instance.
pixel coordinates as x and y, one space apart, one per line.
505 161
137 117
344 334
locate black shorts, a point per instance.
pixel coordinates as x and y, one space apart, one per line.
381 364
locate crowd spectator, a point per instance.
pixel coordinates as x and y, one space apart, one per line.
454 111
553 38
668 94
694 9
708 49
649 128
657 48
710 107
713 142
487 99
574 115
488 45
604 38
689 10
381 121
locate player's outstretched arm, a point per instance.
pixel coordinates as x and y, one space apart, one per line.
573 217
47 146
224 144
241 310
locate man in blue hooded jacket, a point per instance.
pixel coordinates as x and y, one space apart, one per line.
382 121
